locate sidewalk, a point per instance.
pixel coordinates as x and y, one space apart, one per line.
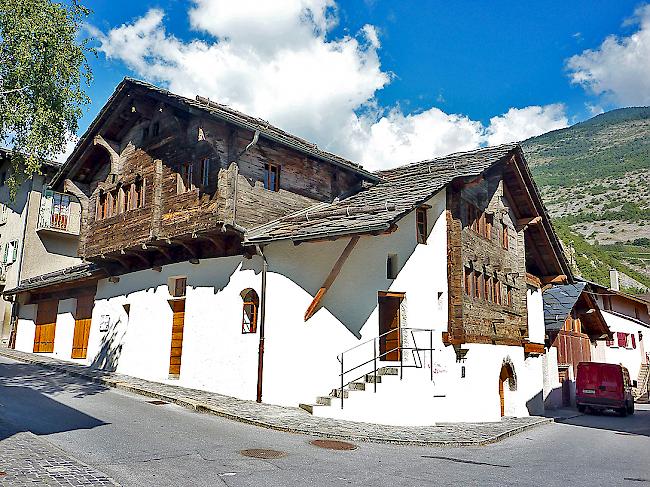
292 420
28 460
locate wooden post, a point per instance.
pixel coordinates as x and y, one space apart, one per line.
331 277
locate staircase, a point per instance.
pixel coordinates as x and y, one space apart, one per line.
361 370
642 391
358 386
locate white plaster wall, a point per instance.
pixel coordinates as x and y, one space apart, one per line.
64 329
535 307
300 360
26 328
552 385
628 357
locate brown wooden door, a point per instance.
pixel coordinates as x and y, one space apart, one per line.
45 326
389 323
178 321
83 318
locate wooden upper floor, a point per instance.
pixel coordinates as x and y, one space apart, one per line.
162 177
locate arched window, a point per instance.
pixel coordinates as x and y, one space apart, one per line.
249 315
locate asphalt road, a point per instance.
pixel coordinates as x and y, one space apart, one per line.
142 444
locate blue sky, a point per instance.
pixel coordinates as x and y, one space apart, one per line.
406 71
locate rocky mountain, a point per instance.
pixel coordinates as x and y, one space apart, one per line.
595 180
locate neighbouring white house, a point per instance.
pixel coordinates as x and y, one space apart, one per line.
224 254
628 317
39 231
576 332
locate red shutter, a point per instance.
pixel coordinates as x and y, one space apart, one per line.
622 339
633 340
609 343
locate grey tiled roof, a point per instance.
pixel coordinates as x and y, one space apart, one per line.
558 303
61 276
378 207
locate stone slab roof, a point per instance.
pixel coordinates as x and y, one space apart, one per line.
69 274
378 207
558 303
227 114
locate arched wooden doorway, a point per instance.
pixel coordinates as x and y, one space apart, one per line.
506 374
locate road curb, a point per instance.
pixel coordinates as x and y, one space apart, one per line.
205 408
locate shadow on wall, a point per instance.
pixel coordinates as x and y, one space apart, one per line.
353 304
535 405
110 350
217 276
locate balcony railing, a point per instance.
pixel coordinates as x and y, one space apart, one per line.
55 214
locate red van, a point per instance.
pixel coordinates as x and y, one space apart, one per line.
604 386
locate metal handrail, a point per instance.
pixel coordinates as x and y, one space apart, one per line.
415 351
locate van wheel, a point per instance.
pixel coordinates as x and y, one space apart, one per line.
581 408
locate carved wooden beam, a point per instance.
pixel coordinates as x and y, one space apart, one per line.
188 247
160 247
112 149
558 279
137 255
331 277
524 223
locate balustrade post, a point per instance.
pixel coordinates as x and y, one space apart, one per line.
374 364
342 371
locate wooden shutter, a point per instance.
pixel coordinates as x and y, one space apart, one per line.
178 322
83 320
45 326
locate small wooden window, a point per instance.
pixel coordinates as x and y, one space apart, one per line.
505 239
467 279
272 177
488 226
155 129
186 177
509 296
486 286
127 197
391 266
177 286
421 225
497 291
475 285
205 172
250 307
138 193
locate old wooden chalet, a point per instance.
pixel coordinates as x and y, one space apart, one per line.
225 254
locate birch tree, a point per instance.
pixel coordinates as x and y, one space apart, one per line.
43 75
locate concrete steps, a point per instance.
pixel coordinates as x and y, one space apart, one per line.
359 385
642 391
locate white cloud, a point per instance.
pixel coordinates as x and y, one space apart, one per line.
521 123
280 64
620 68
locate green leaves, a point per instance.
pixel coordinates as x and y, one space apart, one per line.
43 73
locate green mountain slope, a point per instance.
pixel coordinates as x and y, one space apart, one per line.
595 181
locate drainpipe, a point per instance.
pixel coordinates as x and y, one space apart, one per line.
260 360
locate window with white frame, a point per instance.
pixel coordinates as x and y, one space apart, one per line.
10 252
4 213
